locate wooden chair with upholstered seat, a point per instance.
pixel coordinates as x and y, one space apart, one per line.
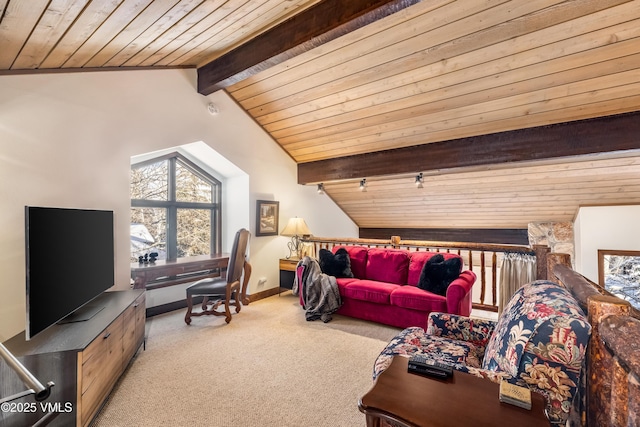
223 290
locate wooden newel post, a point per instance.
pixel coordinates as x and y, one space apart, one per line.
541 260
554 259
621 335
601 366
395 241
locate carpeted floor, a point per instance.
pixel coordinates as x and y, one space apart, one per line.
268 367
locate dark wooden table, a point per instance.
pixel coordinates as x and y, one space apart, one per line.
287 272
142 274
410 400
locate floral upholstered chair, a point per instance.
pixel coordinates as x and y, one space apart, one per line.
539 342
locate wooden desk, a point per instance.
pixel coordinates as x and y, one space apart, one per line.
142 274
410 400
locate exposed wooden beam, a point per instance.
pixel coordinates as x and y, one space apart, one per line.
584 137
507 236
321 23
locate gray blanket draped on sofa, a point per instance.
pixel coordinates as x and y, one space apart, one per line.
319 294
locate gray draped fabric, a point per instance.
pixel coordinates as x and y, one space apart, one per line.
516 270
320 293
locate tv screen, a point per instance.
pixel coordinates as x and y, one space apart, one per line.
69 260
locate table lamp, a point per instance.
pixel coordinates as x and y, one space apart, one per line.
295 228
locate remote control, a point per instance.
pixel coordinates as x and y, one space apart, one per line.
423 365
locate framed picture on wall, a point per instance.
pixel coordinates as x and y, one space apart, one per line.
619 273
267 214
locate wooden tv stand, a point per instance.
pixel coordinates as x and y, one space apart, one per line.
83 359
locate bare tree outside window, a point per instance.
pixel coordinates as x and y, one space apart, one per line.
192 188
194 232
148 232
150 182
175 209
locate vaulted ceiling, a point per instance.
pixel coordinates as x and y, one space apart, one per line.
472 94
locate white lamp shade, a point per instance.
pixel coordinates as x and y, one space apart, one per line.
296 227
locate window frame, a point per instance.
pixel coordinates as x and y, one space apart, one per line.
172 204
603 273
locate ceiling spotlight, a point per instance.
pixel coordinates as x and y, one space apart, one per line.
363 184
419 180
321 188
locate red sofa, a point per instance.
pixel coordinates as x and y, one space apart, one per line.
384 288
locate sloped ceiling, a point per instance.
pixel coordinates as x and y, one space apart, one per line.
406 74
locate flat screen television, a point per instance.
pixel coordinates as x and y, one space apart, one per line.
69 262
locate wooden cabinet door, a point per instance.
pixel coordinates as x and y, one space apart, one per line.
141 316
134 324
101 365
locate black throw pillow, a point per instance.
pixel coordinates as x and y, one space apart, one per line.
338 265
438 273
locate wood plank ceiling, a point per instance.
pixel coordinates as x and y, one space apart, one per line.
86 34
433 71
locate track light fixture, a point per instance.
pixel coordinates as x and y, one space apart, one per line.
363 184
321 188
419 180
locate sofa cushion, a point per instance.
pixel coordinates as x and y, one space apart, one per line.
343 282
387 265
419 259
357 258
336 265
369 290
417 299
414 341
438 273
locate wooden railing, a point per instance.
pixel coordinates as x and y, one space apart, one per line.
482 259
613 368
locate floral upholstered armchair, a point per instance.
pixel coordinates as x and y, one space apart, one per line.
539 342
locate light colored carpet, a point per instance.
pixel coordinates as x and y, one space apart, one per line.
268 367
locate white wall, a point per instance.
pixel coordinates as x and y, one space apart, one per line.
604 227
66 140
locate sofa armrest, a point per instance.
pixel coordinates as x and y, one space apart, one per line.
495 376
459 293
462 328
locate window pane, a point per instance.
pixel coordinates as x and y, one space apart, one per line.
148 232
194 232
190 187
150 182
622 277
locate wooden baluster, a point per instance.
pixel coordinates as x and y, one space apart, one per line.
483 279
494 278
